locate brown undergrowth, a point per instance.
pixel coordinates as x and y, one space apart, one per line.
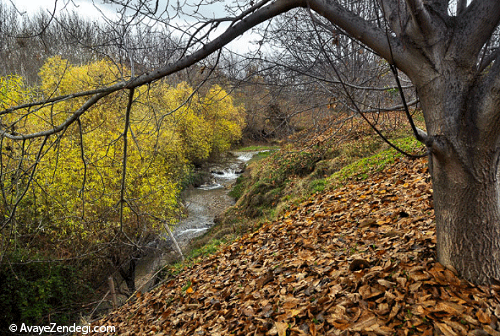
357 260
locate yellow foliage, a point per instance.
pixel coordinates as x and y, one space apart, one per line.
225 119
207 124
76 190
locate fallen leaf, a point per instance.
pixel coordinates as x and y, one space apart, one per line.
281 327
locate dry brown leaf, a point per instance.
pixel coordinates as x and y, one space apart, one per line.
491 331
483 317
458 327
446 330
385 283
281 327
364 322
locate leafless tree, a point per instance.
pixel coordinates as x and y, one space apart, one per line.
313 72
449 51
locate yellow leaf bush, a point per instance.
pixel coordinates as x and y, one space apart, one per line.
74 198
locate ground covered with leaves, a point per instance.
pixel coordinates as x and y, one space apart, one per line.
358 260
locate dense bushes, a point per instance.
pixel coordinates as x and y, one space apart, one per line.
63 196
39 291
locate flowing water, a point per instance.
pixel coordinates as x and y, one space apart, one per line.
203 204
210 199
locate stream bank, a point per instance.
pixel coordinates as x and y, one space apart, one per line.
203 204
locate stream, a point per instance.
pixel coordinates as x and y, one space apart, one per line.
203 204
210 199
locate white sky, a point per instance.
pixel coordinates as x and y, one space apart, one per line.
93 9
83 7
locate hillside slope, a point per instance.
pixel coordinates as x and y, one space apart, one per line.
358 260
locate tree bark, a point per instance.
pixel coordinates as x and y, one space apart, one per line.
468 219
128 274
463 161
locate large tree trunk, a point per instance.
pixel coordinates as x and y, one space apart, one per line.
463 162
467 217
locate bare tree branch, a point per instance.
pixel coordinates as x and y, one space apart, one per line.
84 161
71 119
10 218
394 15
370 35
353 102
461 6
475 27
421 16
486 61
124 158
419 134
230 34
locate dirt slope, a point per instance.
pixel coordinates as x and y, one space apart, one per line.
355 261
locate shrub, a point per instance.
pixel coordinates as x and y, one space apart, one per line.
37 293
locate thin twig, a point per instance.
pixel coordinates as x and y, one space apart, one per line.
348 94
124 161
82 154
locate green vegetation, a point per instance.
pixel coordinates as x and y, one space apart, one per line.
238 188
361 168
207 249
288 176
257 148
272 184
318 185
75 205
261 155
31 291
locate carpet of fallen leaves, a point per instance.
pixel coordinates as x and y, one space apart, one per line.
359 260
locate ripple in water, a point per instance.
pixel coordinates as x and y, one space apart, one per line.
191 231
211 186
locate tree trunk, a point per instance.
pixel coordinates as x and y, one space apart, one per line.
468 220
464 168
126 270
128 274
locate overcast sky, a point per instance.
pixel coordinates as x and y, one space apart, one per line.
83 7
94 9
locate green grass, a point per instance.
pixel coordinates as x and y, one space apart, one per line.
238 188
288 175
284 179
210 248
317 185
256 148
261 155
361 169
